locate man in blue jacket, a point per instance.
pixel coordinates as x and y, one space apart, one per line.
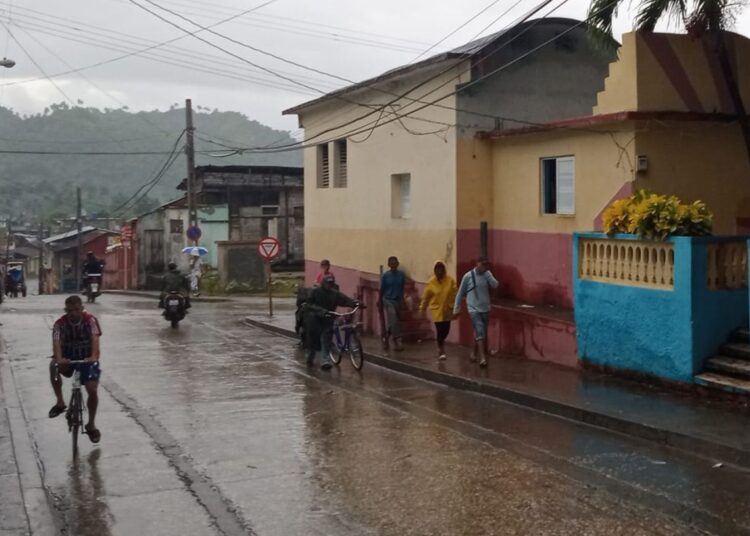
475 288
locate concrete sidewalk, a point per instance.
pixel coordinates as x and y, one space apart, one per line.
712 429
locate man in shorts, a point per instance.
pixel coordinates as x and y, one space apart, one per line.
475 288
75 340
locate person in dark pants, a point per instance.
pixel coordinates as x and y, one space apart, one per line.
439 296
319 322
391 299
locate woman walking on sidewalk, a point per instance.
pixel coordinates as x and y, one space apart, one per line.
439 295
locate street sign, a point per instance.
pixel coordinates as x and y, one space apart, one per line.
269 248
194 232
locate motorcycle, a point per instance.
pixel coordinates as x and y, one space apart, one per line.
174 308
93 287
15 282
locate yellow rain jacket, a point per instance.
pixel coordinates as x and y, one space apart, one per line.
439 297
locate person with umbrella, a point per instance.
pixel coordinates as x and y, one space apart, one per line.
195 253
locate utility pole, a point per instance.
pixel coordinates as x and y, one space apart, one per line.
41 274
79 223
190 153
7 247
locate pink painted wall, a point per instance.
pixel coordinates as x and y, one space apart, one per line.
534 268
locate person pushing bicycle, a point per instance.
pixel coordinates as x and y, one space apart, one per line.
319 321
75 342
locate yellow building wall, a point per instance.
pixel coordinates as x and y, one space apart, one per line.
672 72
603 164
353 226
621 86
705 161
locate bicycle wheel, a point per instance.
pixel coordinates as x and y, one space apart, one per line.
76 418
335 356
356 352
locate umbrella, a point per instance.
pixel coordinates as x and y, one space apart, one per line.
195 251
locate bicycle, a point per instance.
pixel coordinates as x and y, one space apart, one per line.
346 339
74 413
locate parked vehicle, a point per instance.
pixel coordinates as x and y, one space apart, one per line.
15 279
93 287
174 308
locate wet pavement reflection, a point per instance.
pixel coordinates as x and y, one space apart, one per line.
217 428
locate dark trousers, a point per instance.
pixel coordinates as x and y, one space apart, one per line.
442 329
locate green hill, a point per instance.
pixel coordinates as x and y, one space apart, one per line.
38 186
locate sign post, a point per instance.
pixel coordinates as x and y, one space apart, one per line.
269 248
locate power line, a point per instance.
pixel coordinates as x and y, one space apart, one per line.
55 23
454 32
55 31
454 92
32 60
174 153
405 94
305 27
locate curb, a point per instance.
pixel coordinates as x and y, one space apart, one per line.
678 440
156 296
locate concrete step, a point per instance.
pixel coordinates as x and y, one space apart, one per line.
723 382
730 365
737 350
741 336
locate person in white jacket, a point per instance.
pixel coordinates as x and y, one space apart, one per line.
475 289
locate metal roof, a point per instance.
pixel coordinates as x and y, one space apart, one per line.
464 51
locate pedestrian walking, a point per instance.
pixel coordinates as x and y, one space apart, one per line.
195 275
439 296
392 285
475 288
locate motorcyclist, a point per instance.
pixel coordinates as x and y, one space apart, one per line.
175 281
91 265
319 322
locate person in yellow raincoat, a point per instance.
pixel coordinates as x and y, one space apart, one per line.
439 296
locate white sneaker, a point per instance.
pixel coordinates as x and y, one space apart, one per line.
442 357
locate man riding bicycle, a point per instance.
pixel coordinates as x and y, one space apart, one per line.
75 342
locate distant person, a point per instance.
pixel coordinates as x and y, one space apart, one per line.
391 297
325 270
475 288
195 275
75 340
439 296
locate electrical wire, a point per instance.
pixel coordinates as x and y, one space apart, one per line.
378 124
173 155
97 87
37 65
312 29
55 31
194 66
454 32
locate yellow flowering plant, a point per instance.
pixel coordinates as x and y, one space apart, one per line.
656 216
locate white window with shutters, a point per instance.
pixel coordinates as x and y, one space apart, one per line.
559 185
324 168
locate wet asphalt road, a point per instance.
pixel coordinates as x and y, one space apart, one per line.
218 428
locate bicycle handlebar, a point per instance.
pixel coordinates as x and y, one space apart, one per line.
349 313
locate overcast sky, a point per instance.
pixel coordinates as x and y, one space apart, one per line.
352 39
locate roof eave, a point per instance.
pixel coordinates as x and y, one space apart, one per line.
384 77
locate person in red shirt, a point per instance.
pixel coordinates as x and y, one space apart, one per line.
325 270
75 339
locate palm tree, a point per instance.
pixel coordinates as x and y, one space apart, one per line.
703 19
